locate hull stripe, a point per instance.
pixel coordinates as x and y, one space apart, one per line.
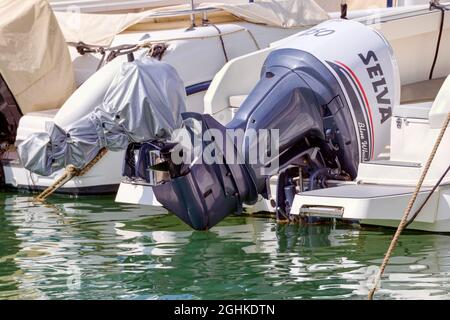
367 105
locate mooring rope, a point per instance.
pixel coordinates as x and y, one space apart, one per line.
70 172
430 194
408 209
156 48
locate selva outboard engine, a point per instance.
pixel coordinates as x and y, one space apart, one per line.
321 107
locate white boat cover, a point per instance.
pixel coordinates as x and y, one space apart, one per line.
334 5
284 13
100 29
34 58
144 101
120 5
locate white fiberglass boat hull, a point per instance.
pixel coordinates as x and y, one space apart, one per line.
381 205
405 32
206 58
197 55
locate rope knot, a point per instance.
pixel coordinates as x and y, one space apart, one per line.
72 170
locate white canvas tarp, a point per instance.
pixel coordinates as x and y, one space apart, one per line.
284 14
120 5
95 28
334 5
110 6
34 58
292 13
100 29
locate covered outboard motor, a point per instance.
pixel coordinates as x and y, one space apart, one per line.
144 102
323 104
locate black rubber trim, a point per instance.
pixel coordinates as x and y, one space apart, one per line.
441 28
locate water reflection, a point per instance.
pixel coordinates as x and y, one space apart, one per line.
92 248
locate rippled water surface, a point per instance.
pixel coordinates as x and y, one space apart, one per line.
93 248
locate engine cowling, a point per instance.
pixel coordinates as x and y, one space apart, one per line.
326 94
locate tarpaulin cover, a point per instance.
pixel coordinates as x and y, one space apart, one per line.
143 103
34 58
100 29
284 13
334 5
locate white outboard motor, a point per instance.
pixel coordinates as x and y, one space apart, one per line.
363 63
327 93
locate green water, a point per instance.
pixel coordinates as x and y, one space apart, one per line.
93 248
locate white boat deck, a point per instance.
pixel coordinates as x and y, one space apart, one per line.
362 191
